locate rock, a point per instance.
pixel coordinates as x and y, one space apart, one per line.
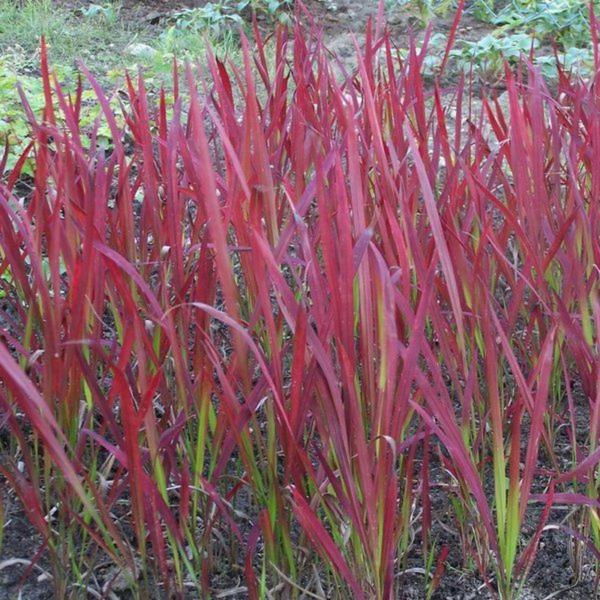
141 50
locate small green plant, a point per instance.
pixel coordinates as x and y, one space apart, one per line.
422 10
566 21
219 20
573 60
523 24
108 11
15 130
489 53
483 10
213 16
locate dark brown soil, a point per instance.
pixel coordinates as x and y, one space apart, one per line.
342 20
552 575
22 543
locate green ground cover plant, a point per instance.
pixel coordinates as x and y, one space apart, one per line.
515 27
267 330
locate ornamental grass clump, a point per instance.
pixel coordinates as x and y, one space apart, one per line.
291 318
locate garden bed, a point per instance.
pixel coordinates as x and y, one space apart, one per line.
294 326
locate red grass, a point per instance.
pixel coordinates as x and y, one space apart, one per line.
290 308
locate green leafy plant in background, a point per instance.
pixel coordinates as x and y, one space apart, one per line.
523 24
422 10
15 129
489 53
565 20
218 20
573 60
214 17
108 11
483 10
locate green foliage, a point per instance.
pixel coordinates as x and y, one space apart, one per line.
489 52
213 17
97 34
525 24
573 60
14 127
423 10
191 26
107 11
219 20
518 26
567 21
483 10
